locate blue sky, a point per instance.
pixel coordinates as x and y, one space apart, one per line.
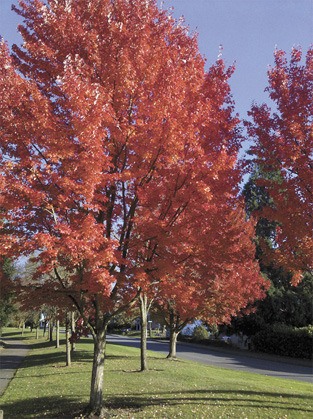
248 30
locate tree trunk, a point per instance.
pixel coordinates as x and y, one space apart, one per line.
173 343
51 331
73 327
144 321
96 390
57 334
37 332
174 332
68 345
44 328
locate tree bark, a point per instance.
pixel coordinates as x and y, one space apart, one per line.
51 331
57 334
173 335
73 328
175 326
44 328
173 343
143 299
96 390
68 345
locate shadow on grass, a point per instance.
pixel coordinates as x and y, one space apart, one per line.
50 358
250 399
70 407
6 337
87 356
33 359
43 407
43 360
46 344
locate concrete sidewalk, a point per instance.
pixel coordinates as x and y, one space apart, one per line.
12 353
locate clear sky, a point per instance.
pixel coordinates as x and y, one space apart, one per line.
248 30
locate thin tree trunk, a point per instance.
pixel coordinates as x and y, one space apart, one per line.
44 328
175 329
96 390
51 331
73 327
173 343
37 332
57 334
68 345
143 299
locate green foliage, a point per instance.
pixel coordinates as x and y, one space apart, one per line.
33 318
120 322
200 333
7 298
257 198
286 303
283 304
8 268
7 311
285 340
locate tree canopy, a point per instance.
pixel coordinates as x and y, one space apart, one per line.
283 151
118 162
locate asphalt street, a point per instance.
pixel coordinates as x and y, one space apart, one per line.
241 360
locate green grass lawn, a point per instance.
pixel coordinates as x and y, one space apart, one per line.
44 388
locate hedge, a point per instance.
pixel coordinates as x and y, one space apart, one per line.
285 340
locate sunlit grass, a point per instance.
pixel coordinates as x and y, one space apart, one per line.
44 387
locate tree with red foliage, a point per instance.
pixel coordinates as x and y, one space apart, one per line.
283 151
220 279
112 158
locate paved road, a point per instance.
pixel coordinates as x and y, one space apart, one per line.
11 357
233 359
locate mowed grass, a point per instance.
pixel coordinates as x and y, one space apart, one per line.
44 388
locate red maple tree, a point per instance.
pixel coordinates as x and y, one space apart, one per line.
220 278
283 151
117 171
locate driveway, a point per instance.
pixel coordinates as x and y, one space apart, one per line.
241 360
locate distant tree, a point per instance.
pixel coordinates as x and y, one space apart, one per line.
283 145
256 198
212 290
8 305
284 303
200 333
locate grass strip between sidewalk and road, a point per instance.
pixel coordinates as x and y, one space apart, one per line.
44 387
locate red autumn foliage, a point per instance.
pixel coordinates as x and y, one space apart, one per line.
118 154
283 150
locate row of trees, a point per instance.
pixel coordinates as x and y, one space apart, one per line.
119 174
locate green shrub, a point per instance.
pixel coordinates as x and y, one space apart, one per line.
280 339
200 333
